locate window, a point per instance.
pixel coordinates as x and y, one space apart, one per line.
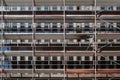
111 40
111 57
30 8
118 24
61 58
46 58
54 40
118 7
103 40
47 40
14 58
78 8
71 58
6 58
54 58
54 25
102 58
46 25
22 8
7 8
118 40
46 8
86 25
103 25
38 25
38 8
54 8
4 48
78 57
110 8
102 8
70 24
29 25
30 58
87 58
70 8
14 8
118 57
22 25
61 8
22 58
14 25
39 58
38 40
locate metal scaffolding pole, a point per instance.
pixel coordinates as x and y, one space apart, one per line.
64 26
95 41
33 41
2 60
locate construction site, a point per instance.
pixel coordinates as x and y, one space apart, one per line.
59 39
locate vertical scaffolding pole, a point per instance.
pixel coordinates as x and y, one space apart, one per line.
95 42
33 41
2 40
64 26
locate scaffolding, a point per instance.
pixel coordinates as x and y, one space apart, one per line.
63 13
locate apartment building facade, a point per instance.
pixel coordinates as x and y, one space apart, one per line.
60 40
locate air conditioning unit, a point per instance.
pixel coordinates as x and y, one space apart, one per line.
34 24
58 58
18 41
114 8
114 24
82 8
83 58
42 41
74 8
91 58
88 8
2 25
91 24
59 25
74 25
58 8
18 58
3 8
58 41
90 40
83 25
98 25
42 8
82 40
98 57
98 8
114 40
18 25
26 8
42 58
26 25
99 40
74 58
18 8
35 8
26 41
75 40
51 25
42 24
